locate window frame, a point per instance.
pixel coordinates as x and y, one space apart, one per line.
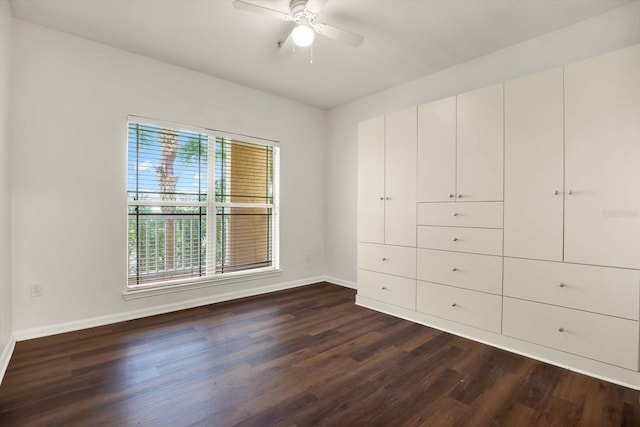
211 206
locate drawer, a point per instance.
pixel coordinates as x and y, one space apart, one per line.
461 214
460 305
396 260
394 290
595 336
474 240
612 291
471 271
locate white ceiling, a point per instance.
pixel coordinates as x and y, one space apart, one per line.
404 39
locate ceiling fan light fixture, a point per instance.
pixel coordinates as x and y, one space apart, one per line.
303 35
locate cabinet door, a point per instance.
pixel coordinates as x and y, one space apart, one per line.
371 181
534 166
480 145
437 150
400 178
602 167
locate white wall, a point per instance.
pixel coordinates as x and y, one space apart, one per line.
70 101
615 29
5 200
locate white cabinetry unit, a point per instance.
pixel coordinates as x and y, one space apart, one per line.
400 178
546 265
602 173
387 179
460 147
437 151
534 166
604 290
480 145
387 149
371 181
605 338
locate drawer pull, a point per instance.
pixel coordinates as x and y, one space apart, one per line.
562 285
454 269
384 259
387 198
454 305
560 329
384 288
455 214
570 192
451 196
459 196
556 192
455 239
381 198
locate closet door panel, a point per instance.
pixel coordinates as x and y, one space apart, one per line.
400 178
371 181
602 166
534 166
437 150
480 145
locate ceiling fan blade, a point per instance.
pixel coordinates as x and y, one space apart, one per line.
286 46
316 5
250 7
338 34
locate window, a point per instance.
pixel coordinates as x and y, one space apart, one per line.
201 203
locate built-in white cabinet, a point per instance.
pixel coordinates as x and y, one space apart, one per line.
437 151
572 175
604 290
608 339
387 148
602 166
387 179
460 147
371 181
480 145
517 220
534 166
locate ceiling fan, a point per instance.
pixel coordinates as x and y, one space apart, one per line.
304 26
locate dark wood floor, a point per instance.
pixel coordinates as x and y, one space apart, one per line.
307 356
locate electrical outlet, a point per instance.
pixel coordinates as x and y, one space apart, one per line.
36 289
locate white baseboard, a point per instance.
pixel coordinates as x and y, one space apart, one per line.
341 282
6 356
60 328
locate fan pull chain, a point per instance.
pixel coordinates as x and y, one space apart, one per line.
311 55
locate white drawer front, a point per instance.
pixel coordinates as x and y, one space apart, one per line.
397 260
471 271
611 291
460 214
394 290
474 240
608 339
460 305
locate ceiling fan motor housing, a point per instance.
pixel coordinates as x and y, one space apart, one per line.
299 10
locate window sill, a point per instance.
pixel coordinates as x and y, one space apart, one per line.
202 282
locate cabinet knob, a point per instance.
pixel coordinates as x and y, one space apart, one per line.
560 329
381 198
459 196
562 285
454 269
384 259
455 239
455 214
387 198
556 192
454 305
451 196
570 192
384 288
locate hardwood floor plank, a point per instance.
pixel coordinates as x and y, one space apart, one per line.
305 356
